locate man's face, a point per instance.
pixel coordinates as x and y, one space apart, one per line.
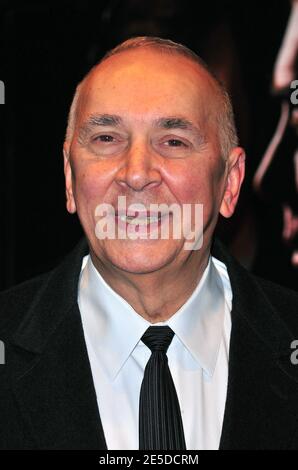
145 130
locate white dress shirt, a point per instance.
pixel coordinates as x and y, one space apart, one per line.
197 355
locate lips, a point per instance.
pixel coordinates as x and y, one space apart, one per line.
143 218
139 214
140 221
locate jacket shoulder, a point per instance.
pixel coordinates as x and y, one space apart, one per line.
48 291
15 301
282 299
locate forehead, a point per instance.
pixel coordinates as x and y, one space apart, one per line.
145 84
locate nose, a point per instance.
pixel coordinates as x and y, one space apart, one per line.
140 169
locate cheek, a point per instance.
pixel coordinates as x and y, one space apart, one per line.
90 189
196 183
90 186
191 183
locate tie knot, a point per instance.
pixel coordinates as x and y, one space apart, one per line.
158 338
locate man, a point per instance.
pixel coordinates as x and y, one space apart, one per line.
151 125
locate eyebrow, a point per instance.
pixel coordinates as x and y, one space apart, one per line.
174 122
100 120
104 120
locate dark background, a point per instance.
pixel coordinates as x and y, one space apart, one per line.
47 47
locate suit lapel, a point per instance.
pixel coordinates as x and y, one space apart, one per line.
52 379
261 406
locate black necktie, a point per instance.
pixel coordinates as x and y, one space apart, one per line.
160 422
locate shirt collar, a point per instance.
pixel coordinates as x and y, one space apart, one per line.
199 322
114 328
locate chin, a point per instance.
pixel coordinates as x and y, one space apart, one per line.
140 258
138 268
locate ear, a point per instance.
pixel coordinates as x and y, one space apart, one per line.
235 176
70 201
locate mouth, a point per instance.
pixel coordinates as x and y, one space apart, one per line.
139 219
141 222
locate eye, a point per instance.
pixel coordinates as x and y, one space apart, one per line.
175 143
172 145
104 138
107 144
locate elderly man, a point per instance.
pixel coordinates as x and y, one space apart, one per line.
142 338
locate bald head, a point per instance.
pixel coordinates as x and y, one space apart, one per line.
222 113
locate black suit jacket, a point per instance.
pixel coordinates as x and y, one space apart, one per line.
47 396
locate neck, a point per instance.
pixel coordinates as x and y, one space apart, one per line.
156 296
